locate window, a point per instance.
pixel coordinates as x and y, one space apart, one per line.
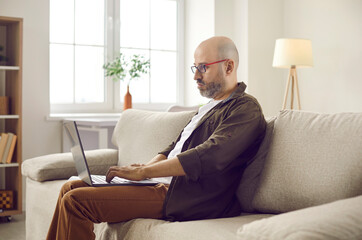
84 34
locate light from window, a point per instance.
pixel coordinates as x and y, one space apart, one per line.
152 32
83 35
76 51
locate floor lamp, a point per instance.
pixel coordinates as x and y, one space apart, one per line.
292 53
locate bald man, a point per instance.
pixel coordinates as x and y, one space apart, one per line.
206 162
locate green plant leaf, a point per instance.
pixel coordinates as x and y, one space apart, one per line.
119 68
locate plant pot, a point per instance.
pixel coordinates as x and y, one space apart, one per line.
127 100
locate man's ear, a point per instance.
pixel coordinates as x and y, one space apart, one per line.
229 66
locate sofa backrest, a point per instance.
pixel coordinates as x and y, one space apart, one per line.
140 135
313 159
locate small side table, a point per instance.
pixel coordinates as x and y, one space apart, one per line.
95 133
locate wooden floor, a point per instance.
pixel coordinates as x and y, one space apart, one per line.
13 230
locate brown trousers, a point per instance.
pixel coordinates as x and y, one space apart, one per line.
79 206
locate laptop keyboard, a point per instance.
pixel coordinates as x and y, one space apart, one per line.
99 179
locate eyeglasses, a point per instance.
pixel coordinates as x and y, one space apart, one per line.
202 67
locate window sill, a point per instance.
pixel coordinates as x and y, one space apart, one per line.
160 107
63 116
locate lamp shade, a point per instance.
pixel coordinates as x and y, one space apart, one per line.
293 52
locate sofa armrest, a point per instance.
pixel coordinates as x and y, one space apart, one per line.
336 220
61 165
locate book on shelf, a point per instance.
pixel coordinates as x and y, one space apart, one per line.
3 141
11 150
7 146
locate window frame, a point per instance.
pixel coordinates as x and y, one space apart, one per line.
113 101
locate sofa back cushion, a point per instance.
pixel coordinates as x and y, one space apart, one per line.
251 175
140 135
313 159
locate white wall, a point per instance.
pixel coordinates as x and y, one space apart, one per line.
199 25
254 26
39 136
208 18
224 18
231 20
334 84
240 36
265 24
334 26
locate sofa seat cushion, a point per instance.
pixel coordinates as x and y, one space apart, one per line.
140 135
61 165
337 220
313 159
150 229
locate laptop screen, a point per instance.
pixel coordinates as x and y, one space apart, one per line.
77 151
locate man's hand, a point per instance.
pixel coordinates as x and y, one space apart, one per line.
137 172
134 172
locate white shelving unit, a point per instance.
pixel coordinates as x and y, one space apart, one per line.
9 116
9 165
9 68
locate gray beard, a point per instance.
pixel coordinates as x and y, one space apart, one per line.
212 89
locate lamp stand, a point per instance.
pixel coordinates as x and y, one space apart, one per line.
293 75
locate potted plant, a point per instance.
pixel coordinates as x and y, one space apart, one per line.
3 59
121 69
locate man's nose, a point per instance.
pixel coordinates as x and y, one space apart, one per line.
197 75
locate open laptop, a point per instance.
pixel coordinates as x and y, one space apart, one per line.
82 166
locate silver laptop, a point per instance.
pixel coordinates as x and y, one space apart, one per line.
82 166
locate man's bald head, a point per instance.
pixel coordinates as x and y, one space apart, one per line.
225 47
216 77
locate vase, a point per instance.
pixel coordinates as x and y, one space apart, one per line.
127 100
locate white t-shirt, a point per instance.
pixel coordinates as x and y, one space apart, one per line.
190 128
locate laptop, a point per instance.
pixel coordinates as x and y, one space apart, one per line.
82 166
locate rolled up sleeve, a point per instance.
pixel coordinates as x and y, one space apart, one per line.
192 168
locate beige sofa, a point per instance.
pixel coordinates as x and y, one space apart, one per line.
304 183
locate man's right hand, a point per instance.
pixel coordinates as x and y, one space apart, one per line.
135 173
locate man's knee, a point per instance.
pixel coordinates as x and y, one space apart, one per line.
73 204
69 201
69 185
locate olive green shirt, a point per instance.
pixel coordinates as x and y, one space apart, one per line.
214 158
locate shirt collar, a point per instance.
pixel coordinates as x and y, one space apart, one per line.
239 91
